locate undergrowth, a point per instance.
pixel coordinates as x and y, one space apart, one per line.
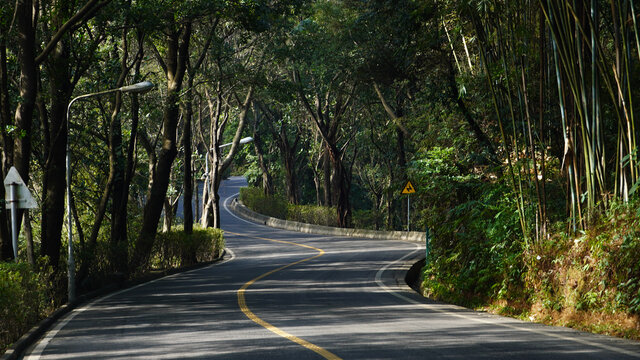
29 294
25 299
588 281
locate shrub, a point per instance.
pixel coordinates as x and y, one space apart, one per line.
476 252
313 214
368 219
176 248
277 207
256 200
24 300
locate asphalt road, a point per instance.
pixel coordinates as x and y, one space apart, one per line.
285 295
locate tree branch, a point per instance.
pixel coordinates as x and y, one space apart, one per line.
85 13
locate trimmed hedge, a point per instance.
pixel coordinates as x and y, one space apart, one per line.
256 200
313 214
277 207
176 249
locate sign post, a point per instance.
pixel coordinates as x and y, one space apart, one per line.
408 189
14 218
19 197
427 243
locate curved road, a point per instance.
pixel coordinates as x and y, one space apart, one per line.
285 295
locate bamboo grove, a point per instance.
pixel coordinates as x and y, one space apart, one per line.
561 75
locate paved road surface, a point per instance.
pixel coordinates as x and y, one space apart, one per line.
285 295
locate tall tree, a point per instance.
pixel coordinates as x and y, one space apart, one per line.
194 67
63 20
173 61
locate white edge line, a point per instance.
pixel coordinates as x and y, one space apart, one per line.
381 284
42 344
226 207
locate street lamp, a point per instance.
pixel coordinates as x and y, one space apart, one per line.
135 88
243 141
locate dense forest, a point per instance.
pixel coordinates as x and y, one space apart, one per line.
514 121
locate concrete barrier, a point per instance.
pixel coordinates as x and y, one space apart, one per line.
237 207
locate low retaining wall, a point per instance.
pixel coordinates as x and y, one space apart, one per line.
243 211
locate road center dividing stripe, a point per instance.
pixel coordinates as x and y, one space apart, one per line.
245 309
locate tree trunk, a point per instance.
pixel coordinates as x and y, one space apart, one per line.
6 152
119 237
175 65
54 173
219 165
342 188
290 177
168 215
118 243
121 164
28 88
326 180
216 179
267 179
187 209
318 186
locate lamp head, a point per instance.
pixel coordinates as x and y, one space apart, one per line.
246 140
140 87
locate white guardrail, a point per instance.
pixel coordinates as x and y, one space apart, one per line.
413 236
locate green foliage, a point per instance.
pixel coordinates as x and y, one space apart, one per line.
277 206
476 252
176 248
24 300
313 214
254 199
367 219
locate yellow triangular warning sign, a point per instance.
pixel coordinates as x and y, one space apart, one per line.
408 189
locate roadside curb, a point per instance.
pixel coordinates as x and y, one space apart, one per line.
15 351
237 207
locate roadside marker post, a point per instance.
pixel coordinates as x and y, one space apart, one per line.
408 189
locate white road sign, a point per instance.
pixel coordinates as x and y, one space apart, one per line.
24 198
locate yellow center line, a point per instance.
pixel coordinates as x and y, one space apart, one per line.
245 309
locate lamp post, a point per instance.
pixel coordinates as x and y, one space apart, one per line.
71 275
